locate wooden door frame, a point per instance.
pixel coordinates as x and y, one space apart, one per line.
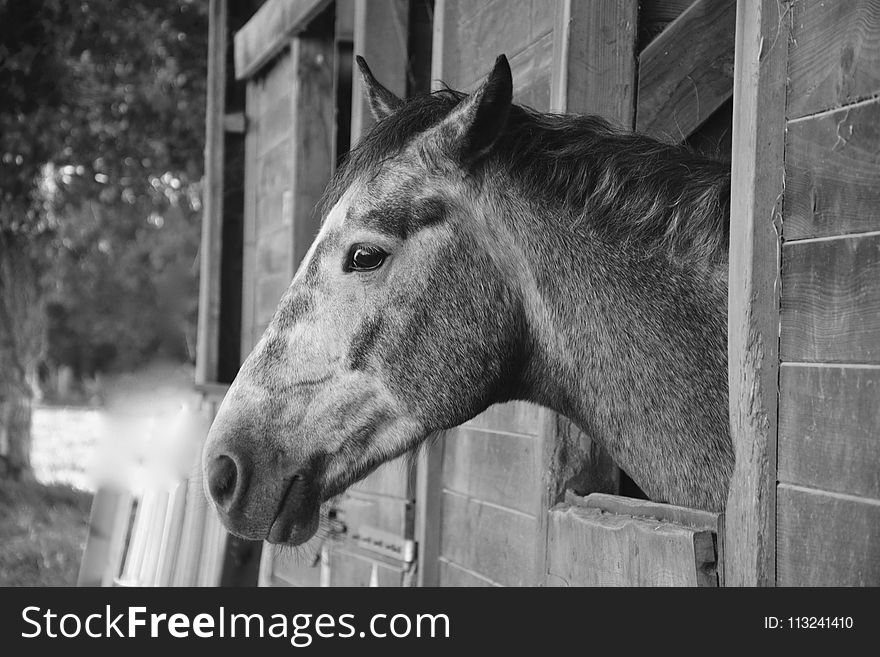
757 185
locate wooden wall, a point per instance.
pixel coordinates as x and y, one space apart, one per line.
288 162
828 496
474 33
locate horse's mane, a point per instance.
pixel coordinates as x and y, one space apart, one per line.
627 187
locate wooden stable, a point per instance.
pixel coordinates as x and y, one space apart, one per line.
518 496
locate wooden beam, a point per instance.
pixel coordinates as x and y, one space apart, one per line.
207 340
269 32
594 60
656 15
686 73
753 305
380 37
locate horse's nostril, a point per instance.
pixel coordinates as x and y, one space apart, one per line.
222 481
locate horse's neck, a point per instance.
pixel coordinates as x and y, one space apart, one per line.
633 349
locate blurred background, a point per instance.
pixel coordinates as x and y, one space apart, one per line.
102 113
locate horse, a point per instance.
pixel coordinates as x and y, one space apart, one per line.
471 252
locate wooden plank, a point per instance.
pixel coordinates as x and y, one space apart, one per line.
827 539
476 33
656 15
452 574
429 501
829 428
293 567
753 315
381 30
628 506
393 479
686 73
270 31
314 116
207 339
494 467
530 69
249 255
594 59
108 528
197 508
590 548
386 514
520 418
347 569
486 539
832 173
212 392
831 300
171 533
834 56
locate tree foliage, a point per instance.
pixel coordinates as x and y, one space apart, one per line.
101 153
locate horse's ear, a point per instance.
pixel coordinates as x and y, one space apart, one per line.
472 128
383 103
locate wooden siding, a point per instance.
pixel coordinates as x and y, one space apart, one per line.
832 173
835 54
289 158
828 501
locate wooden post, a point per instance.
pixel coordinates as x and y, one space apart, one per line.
207 343
386 54
753 307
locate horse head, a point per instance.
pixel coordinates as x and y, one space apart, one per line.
400 321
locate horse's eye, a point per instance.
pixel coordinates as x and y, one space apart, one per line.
364 257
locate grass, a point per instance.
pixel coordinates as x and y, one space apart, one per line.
42 533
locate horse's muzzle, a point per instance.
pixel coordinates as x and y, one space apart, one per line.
296 516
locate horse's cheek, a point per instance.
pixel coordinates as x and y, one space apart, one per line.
445 357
